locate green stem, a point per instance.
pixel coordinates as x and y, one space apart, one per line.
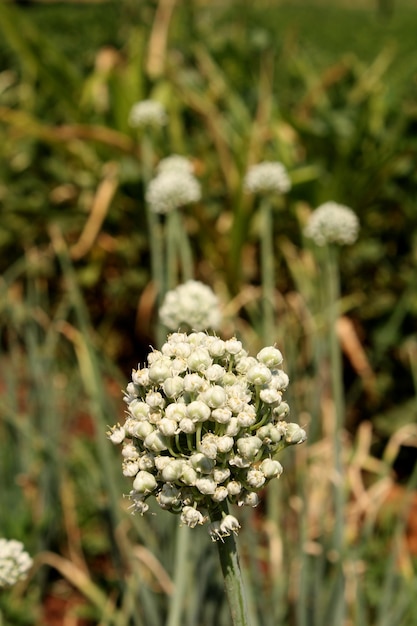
333 297
336 368
185 253
179 254
181 576
155 234
267 272
229 561
171 270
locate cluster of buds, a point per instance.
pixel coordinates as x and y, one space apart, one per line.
171 189
147 114
332 223
268 176
15 562
204 423
192 305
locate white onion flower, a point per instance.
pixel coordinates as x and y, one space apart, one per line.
175 163
147 113
332 223
202 436
15 562
172 190
266 177
193 305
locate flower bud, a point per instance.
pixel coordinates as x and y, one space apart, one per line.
270 396
271 468
173 386
198 411
247 417
191 517
276 433
176 411
143 429
255 478
187 426
201 463
160 370
172 471
280 380
221 415
295 434
208 446
281 411
146 461
225 443
233 488
199 360
155 400
168 497
239 461
259 374
189 475
193 383
233 346
248 498
155 442
220 494
244 364
220 474
229 524
144 482
138 409
206 485
116 434
140 377
161 462
214 396
130 467
139 505
179 365
233 427
129 451
167 427
216 347
264 433
248 447
270 356
215 372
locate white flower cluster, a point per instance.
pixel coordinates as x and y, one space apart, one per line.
147 113
14 562
172 189
332 223
192 305
175 163
204 422
267 176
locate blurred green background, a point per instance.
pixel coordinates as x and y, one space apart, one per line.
329 89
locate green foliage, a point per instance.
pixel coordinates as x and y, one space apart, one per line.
335 102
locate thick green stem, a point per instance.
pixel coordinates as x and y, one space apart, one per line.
336 368
154 231
333 297
267 272
181 577
229 561
179 258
